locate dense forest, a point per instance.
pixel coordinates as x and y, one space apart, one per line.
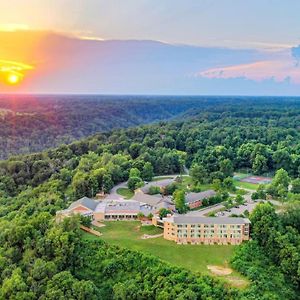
35 123
40 259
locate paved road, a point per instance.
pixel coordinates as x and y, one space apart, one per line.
235 210
204 211
186 170
240 210
249 205
113 195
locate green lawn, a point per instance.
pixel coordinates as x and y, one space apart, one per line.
188 181
240 192
193 257
245 185
152 230
241 175
125 192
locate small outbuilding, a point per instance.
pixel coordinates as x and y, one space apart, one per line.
194 200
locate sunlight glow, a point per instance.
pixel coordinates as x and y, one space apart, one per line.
13 79
13 27
13 72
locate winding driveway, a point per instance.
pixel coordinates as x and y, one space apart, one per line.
113 195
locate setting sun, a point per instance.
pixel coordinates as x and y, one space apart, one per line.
13 79
13 72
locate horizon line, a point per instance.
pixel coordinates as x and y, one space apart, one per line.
142 95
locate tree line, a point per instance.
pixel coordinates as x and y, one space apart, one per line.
40 259
35 123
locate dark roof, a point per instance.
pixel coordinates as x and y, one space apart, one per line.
86 202
122 206
206 220
192 197
148 199
160 183
166 204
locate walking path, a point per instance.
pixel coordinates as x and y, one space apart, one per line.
97 224
149 236
90 230
113 195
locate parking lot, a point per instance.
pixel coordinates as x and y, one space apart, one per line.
221 212
238 210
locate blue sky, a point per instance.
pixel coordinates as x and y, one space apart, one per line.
197 22
271 28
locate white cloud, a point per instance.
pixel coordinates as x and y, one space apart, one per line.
13 27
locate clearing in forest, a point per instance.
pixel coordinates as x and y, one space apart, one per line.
193 257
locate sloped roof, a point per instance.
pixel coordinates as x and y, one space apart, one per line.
148 199
86 202
165 204
125 206
160 183
192 197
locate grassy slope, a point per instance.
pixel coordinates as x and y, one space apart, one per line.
125 192
245 185
194 257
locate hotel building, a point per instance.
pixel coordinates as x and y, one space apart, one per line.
206 230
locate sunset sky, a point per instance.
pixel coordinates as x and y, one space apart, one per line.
150 47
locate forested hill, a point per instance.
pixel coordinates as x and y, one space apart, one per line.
40 259
246 133
34 123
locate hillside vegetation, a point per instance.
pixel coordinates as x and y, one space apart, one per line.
40 259
34 123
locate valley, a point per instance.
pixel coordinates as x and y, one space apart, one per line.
213 145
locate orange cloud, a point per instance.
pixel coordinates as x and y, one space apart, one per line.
20 50
11 27
13 72
278 70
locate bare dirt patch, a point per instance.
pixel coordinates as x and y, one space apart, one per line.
148 236
97 224
226 272
90 230
218 270
237 282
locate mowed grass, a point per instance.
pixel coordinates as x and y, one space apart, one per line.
240 175
193 257
245 185
125 192
187 182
